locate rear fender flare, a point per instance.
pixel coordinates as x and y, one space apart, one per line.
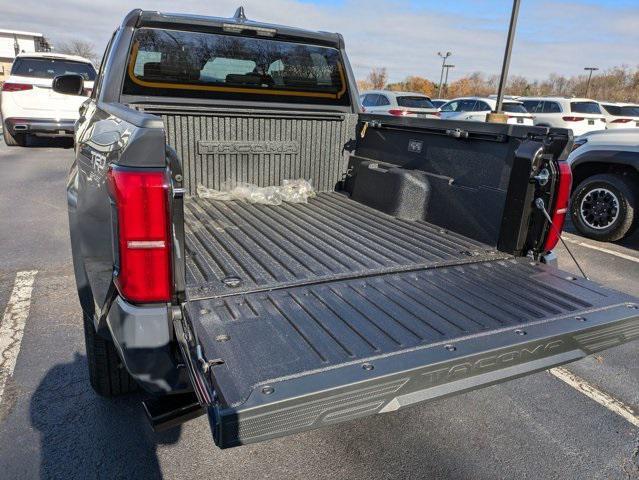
82 281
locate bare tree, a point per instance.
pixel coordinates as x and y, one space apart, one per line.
414 84
81 48
614 84
377 78
363 85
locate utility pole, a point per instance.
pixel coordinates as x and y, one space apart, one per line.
506 65
590 70
16 45
447 67
444 56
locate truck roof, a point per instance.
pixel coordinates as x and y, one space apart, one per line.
150 18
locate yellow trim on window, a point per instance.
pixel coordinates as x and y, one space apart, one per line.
212 88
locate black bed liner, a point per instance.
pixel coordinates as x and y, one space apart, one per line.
338 311
264 247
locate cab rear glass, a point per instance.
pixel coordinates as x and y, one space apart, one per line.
180 63
51 67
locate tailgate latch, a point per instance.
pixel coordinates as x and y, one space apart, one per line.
457 133
542 177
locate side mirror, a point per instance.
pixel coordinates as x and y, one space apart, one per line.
71 84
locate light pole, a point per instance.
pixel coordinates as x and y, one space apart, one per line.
509 47
16 45
590 70
447 67
444 56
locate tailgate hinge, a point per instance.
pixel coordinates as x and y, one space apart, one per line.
192 350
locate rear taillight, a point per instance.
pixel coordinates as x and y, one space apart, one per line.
398 112
16 87
141 201
560 208
436 114
573 119
622 120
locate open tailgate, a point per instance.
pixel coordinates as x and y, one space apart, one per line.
292 359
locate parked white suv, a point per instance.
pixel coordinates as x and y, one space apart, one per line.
620 115
400 104
28 104
581 115
476 109
438 102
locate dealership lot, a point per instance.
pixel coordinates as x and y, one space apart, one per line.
53 425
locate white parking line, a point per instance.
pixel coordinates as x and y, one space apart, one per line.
611 403
13 322
602 249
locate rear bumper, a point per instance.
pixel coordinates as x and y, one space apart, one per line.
291 405
614 126
144 339
41 126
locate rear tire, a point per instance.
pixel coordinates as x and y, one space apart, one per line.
107 374
15 140
604 207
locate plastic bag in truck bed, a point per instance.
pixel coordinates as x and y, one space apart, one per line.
291 191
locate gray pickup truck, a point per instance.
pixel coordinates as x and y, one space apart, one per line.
419 270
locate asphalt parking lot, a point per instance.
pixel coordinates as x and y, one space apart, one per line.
52 425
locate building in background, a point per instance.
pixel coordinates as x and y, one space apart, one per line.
13 42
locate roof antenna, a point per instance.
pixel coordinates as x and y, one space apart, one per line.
239 14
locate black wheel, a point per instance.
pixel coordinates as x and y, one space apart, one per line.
604 207
107 375
15 140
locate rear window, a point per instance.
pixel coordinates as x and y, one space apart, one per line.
206 65
51 67
551 107
632 111
533 106
618 111
584 107
414 102
513 108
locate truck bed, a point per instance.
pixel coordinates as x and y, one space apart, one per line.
342 311
237 247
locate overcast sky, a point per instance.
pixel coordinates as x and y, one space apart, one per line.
402 35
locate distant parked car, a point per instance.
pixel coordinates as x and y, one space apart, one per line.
400 104
476 109
28 104
438 102
605 197
620 115
581 115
